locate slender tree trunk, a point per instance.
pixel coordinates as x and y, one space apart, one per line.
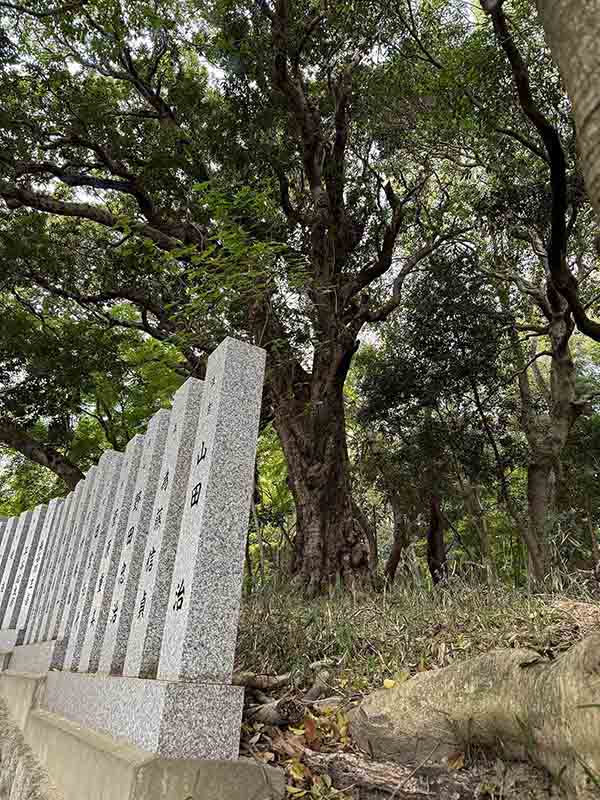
595 547
547 433
331 544
475 508
436 550
370 532
401 539
539 482
572 29
40 453
249 570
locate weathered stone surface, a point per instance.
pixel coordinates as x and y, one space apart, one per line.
173 720
22 575
89 765
21 775
21 693
90 580
65 560
36 632
33 587
202 615
12 561
116 635
111 540
8 640
33 658
147 626
6 543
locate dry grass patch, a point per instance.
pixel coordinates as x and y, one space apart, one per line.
374 637
370 640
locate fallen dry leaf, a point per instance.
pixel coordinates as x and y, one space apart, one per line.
456 761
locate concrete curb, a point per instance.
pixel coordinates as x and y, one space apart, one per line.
87 765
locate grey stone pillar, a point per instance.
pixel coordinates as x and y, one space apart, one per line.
110 539
129 563
150 606
68 555
84 576
5 546
51 567
12 561
39 570
202 615
24 566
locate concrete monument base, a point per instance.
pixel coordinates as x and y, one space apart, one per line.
32 657
172 720
8 640
21 692
84 764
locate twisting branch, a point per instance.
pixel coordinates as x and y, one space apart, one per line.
46 456
563 280
381 313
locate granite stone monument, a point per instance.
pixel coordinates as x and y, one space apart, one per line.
110 543
22 574
128 591
154 585
129 559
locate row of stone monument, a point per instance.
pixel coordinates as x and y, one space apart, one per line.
128 590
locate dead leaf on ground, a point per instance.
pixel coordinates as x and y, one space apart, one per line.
456 761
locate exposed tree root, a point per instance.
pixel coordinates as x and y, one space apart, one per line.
402 783
510 701
362 779
264 683
277 712
319 688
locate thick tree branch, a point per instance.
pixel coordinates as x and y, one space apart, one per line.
44 455
17 197
306 117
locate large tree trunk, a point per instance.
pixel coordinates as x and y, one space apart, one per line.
511 701
331 544
572 29
39 453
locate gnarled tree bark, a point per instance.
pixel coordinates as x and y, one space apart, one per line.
331 544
